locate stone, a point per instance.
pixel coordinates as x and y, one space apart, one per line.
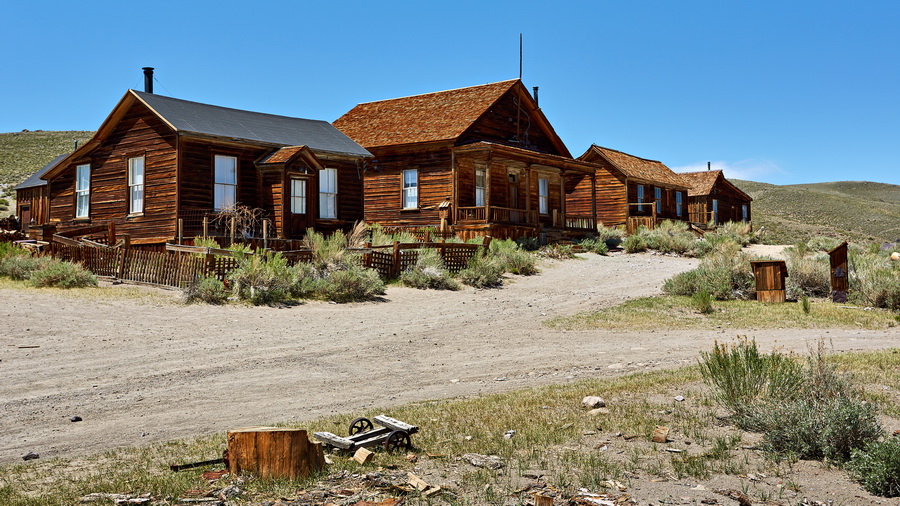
599 411
30 456
679 398
592 401
74 418
660 434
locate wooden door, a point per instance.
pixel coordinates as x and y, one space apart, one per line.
26 217
514 216
299 215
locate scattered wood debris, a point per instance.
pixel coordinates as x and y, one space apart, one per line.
488 461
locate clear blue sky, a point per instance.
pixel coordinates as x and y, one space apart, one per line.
776 91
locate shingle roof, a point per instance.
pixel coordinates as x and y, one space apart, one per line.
282 155
194 117
638 168
35 180
700 183
443 115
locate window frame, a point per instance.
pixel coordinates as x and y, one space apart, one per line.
640 198
224 185
134 187
83 192
679 202
409 190
480 193
657 197
301 199
543 196
745 213
328 199
715 211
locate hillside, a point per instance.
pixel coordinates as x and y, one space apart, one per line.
854 210
22 153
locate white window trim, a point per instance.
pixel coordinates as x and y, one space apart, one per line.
410 190
298 202
135 187
640 197
479 190
328 195
83 192
225 185
543 196
657 196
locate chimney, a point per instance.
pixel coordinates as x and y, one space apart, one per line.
148 79
708 165
536 96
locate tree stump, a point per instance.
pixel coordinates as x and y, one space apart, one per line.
273 452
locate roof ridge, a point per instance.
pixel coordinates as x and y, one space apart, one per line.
142 94
438 92
629 154
712 171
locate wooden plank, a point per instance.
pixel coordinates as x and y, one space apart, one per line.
394 424
334 440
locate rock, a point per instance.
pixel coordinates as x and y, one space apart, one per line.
895 256
74 418
30 456
599 411
488 461
509 434
592 401
679 398
229 492
660 434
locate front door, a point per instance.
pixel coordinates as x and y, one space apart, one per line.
26 217
299 207
514 216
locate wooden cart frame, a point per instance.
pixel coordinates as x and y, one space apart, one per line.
392 434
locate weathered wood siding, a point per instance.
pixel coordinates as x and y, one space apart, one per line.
197 172
139 133
730 204
499 125
350 191
35 199
383 185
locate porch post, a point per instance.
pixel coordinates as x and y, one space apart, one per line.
528 194
487 187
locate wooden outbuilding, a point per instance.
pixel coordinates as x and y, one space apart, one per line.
840 273
156 160
714 199
770 276
627 190
32 197
482 160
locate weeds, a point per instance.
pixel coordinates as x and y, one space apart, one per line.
877 467
429 272
725 274
62 275
209 290
513 258
482 272
702 302
262 279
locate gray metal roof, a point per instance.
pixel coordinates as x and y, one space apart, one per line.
35 180
206 119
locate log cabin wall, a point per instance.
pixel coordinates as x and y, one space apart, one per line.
579 196
383 185
139 133
35 200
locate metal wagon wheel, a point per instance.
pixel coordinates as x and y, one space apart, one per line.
360 425
396 440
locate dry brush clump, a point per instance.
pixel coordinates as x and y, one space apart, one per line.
42 271
724 273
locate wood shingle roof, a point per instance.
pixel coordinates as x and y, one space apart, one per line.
633 167
702 183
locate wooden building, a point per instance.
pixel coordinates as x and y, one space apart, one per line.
714 199
627 190
481 160
32 197
156 159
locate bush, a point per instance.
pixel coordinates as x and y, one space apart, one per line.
810 274
8 249
702 302
529 243
557 251
352 284
20 267
670 237
429 272
513 258
209 290
262 279
636 242
877 467
594 245
482 272
61 274
725 274
611 236
306 281
875 280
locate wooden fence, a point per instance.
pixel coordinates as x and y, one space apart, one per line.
180 266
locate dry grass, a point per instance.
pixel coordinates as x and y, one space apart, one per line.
681 313
105 292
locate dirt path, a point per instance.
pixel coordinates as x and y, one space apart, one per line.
138 372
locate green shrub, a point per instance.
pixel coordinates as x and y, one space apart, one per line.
611 236
378 237
804 304
352 284
206 242
725 273
513 258
823 243
670 237
810 274
702 302
482 272
429 272
529 243
557 251
209 290
306 281
8 249
61 274
595 245
636 242
875 280
877 467
21 267
262 278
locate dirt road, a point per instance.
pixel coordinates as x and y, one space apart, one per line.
138 372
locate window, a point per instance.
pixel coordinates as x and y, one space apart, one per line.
678 203
479 187
640 197
82 190
657 194
328 194
410 189
715 211
543 196
298 196
136 185
744 213
225 187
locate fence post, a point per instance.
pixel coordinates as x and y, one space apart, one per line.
111 234
231 232
486 243
427 235
205 227
265 234
367 256
123 255
209 265
180 231
396 267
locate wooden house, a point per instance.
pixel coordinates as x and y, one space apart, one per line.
627 190
32 197
714 199
481 160
157 159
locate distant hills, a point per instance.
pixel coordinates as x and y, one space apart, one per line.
853 210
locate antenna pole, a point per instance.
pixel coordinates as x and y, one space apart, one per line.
520 56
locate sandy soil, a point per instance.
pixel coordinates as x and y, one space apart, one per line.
138 372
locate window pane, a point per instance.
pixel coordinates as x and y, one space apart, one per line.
81 205
328 180
82 177
298 196
136 170
479 197
328 206
226 169
543 196
137 198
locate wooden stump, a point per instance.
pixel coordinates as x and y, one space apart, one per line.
273 452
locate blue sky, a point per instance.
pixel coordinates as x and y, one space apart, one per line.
773 91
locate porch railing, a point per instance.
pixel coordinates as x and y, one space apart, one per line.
496 214
581 222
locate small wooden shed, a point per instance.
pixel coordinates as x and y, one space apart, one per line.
839 273
770 275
